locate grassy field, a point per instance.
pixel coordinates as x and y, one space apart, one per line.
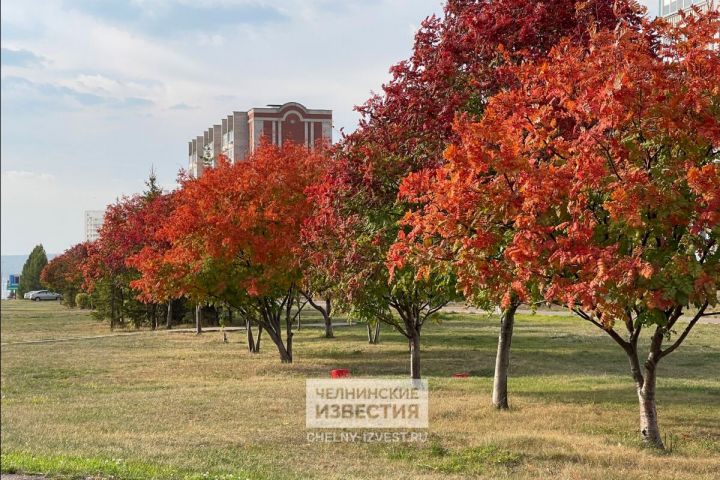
174 405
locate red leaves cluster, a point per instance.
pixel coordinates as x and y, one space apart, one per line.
456 66
238 226
594 179
130 225
65 272
705 183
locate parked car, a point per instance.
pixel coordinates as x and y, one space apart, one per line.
43 295
29 294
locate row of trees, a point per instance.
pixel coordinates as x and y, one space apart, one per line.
529 151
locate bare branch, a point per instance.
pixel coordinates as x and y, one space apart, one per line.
613 334
310 300
673 316
685 333
433 310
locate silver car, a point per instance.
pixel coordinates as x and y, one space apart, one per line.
42 295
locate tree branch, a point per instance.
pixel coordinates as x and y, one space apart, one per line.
685 333
613 334
673 317
433 310
308 297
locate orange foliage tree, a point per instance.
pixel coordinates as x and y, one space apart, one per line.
597 178
454 67
234 238
64 273
129 225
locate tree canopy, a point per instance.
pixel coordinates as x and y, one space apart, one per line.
64 273
454 68
235 236
30 275
598 174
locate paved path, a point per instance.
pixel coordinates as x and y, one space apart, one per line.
452 308
155 332
460 308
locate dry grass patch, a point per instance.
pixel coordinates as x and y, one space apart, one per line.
182 406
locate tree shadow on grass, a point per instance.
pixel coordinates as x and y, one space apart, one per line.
613 391
442 357
561 358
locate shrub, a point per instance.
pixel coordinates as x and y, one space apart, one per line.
69 298
82 300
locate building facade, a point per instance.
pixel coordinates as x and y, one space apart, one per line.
93 222
237 135
669 8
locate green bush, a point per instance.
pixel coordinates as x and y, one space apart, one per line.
69 298
82 300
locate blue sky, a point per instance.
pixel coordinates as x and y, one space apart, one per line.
96 92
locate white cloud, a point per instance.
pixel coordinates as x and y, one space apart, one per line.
40 207
62 153
97 83
11 176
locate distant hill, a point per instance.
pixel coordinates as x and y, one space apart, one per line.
12 264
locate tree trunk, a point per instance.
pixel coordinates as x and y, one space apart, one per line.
112 308
645 387
648 414
502 360
168 321
288 347
373 332
328 326
288 334
285 353
326 312
250 339
153 316
198 319
122 307
252 343
328 320
415 355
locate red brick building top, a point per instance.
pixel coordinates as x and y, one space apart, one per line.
241 132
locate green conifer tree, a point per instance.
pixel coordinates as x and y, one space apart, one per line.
30 276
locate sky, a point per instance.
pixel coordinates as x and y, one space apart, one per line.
95 93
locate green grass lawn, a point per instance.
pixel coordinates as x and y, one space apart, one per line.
174 405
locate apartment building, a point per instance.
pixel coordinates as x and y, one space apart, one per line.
93 222
669 8
237 135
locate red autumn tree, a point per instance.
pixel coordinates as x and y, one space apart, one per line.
235 234
149 220
598 179
129 225
455 67
64 273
